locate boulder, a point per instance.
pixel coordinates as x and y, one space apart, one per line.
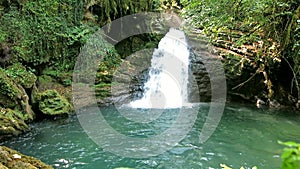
12 159
12 122
50 102
47 82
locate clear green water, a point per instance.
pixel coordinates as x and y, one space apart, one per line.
245 136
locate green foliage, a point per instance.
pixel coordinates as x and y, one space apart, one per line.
45 33
3 35
49 34
7 87
20 75
270 27
108 10
290 156
62 77
108 65
170 5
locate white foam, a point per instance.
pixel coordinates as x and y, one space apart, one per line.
167 85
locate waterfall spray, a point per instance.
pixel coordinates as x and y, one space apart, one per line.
167 85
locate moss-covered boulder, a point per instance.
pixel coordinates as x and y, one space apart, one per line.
12 159
12 122
46 82
50 102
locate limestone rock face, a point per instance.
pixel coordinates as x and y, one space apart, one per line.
12 159
50 102
129 78
202 59
127 81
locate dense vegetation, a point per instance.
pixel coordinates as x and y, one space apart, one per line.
263 38
46 34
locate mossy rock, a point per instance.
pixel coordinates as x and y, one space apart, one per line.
64 78
20 75
15 110
14 96
12 159
12 122
50 102
46 82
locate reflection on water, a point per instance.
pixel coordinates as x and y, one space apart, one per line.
245 136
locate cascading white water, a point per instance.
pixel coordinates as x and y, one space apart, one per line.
167 85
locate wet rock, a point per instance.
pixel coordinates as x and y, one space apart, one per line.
274 104
13 94
199 81
50 102
12 159
201 57
128 79
298 104
260 103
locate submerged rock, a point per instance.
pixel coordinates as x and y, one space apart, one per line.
50 102
12 159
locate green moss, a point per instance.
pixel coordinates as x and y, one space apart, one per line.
44 79
20 75
12 159
103 90
7 87
51 102
12 122
62 77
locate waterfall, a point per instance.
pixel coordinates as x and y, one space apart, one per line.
168 75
